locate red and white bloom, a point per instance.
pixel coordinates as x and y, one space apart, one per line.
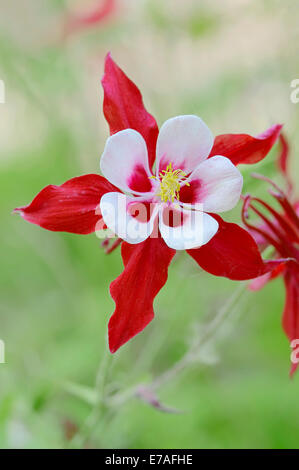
186 181
191 170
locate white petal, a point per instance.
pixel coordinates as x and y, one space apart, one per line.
219 184
125 157
196 229
116 214
185 141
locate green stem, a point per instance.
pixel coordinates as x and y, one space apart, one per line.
207 335
112 403
81 437
210 331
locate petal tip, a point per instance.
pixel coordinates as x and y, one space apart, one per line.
278 128
18 211
108 58
293 370
113 342
112 349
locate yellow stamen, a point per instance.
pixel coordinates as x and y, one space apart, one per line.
170 183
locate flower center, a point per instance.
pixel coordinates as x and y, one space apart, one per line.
170 183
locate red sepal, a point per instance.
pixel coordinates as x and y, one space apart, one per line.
71 207
231 253
261 281
243 148
123 107
145 273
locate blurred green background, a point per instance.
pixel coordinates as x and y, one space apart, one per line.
231 62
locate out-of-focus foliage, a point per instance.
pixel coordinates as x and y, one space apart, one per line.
229 62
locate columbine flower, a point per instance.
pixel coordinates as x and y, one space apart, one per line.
191 169
280 230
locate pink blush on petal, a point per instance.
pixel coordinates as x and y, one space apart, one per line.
173 217
190 194
141 210
164 162
139 180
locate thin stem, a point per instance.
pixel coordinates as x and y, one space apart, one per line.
112 403
119 398
205 338
83 434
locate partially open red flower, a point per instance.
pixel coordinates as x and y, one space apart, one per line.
191 168
279 229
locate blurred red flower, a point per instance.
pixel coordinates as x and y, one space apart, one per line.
100 13
280 229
